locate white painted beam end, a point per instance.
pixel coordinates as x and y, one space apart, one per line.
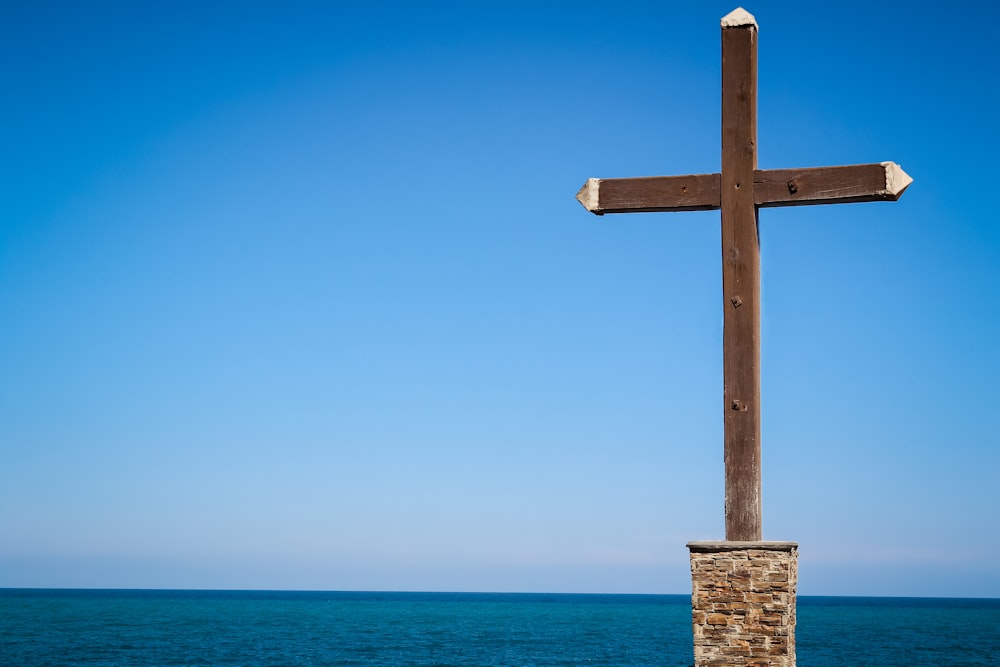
896 180
589 194
739 18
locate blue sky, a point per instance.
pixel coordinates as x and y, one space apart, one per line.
299 296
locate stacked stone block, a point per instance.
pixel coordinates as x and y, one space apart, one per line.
743 603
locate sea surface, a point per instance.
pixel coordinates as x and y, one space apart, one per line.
138 627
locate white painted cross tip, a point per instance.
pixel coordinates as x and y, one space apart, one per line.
896 180
738 18
589 194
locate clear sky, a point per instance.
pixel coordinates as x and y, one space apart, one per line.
297 295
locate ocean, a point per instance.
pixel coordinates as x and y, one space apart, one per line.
154 628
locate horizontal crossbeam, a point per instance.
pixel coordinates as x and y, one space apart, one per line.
883 181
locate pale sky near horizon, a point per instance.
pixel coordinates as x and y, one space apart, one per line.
298 296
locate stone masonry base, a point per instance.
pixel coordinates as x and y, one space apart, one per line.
743 603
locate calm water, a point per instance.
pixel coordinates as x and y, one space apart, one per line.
86 627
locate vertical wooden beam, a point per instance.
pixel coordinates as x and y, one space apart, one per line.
740 278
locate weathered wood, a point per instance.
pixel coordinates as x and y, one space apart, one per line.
884 181
740 282
699 192
739 191
830 185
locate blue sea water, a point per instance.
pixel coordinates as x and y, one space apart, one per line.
127 628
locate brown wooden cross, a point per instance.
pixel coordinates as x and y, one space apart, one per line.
739 191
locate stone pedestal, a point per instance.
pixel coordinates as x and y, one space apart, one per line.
743 603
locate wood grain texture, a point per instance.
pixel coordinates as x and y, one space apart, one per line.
771 188
698 192
740 284
822 185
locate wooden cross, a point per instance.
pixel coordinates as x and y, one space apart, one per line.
739 191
